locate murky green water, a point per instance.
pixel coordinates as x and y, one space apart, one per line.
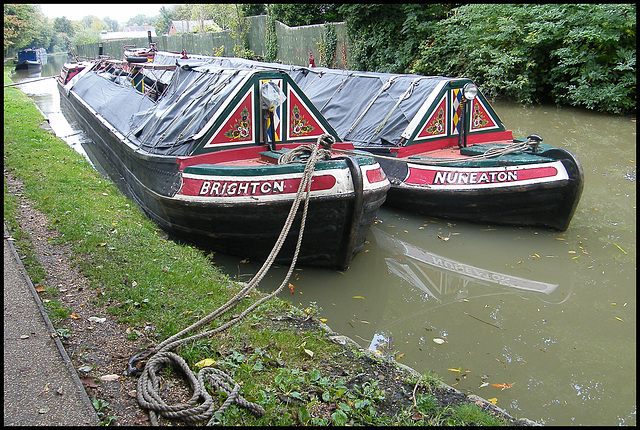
552 313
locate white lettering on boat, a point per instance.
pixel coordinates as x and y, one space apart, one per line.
463 178
229 189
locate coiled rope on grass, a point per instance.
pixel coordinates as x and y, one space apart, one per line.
201 406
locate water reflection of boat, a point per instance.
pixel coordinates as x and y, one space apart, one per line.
416 266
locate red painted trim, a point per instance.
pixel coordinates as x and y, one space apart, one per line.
419 148
245 153
244 188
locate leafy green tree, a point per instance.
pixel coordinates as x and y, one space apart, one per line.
140 19
63 25
85 36
581 55
112 24
295 14
22 23
163 22
385 37
254 9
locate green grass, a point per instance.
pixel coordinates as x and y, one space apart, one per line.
145 279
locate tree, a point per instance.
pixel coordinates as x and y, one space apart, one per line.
163 22
112 24
140 19
21 24
295 14
254 9
63 25
577 54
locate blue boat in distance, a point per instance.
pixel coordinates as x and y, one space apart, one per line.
31 58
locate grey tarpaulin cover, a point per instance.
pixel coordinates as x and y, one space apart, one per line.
168 126
356 104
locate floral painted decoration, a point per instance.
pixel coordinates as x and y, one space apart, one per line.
299 125
241 129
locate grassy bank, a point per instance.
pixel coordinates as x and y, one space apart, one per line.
142 279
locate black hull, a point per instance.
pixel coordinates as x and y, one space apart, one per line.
335 228
28 65
549 205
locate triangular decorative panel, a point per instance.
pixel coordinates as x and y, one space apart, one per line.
436 125
481 119
239 126
302 122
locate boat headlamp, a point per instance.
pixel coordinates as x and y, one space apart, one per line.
470 91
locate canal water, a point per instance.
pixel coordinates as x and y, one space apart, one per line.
550 314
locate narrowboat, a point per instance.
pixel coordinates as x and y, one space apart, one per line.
31 59
207 154
442 145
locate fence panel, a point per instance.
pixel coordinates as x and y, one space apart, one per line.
294 43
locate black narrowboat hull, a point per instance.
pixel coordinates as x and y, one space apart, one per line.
335 228
550 203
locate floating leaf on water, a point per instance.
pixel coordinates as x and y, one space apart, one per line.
619 319
291 288
571 252
205 363
504 385
459 370
484 384
400 356
358 297
493 401
625 252
323 319
438 340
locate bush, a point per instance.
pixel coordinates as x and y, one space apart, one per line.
580 55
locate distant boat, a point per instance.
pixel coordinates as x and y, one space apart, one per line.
442 145
31 58
204 155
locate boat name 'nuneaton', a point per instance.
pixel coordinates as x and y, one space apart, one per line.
217 188
474 177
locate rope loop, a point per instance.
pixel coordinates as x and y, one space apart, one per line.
200 406
302 153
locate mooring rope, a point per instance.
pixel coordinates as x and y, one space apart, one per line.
201 406
298 153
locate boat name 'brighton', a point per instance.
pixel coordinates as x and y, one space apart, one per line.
445 178
224 188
